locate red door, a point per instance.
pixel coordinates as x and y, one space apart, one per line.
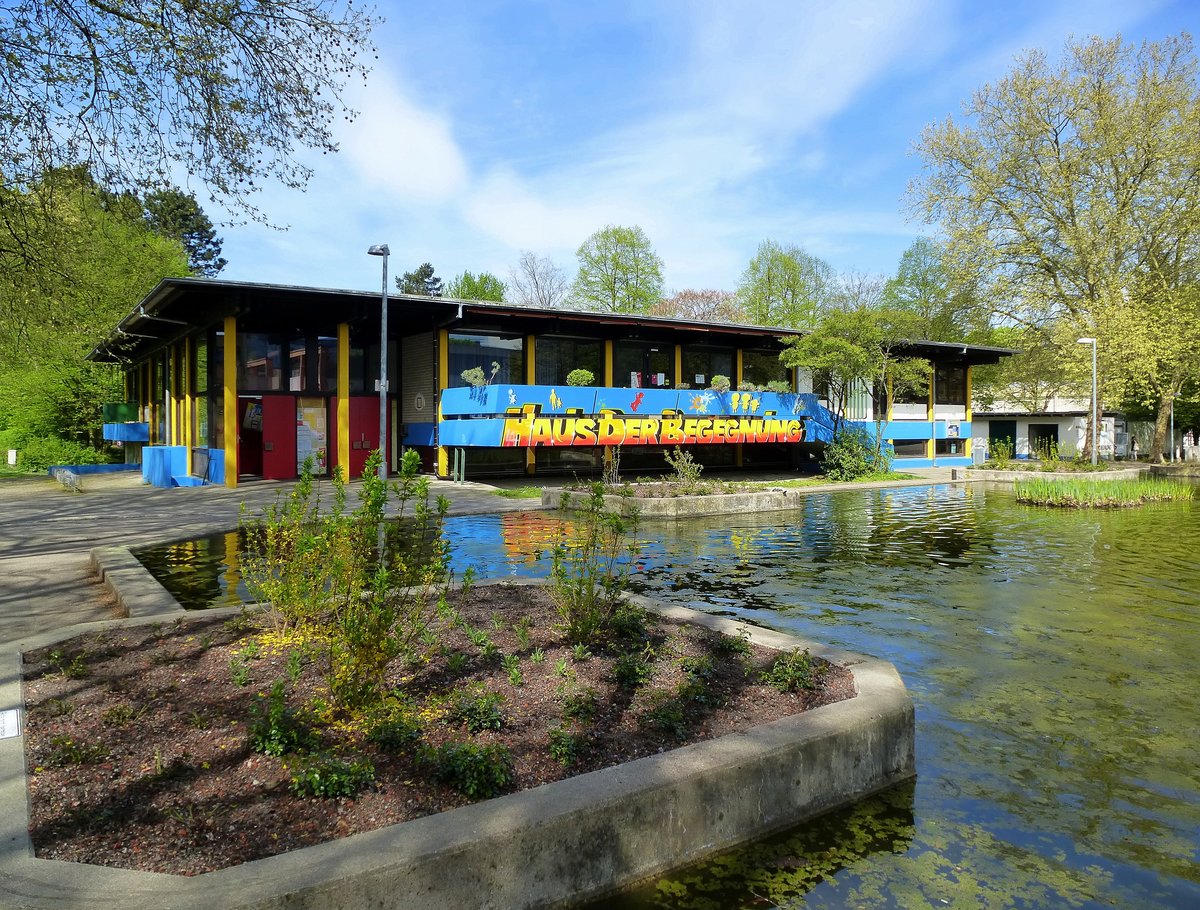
278 437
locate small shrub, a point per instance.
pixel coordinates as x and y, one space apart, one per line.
687 471
732 644
793 671
852 455
275 729
719 383
329 776
1000 453
665 713
477 708
579 704
632 670
474 377
118 716
580 652
564 746
479 772
629 623
779 386
239 671
66 751
72 666
37 454
394 728
580 377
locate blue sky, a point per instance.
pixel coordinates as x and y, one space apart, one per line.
491 127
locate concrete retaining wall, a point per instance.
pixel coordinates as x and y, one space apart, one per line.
138 593
548 847
688 506
1123 473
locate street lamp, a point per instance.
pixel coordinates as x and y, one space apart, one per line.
381 249
1095 416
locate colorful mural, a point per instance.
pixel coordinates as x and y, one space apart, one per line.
530 416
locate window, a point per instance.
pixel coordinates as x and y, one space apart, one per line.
327 364
555 357
643 365
701 363
260 362
761 367
501 357
951 384
951 446
910 448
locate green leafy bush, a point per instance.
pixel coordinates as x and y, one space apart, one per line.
794 671
329 776
589 571
852 455
38 453
477 708
565 746
276 729
479 772
632 669
581 377
719 383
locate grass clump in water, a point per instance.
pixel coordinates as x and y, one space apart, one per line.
1099 494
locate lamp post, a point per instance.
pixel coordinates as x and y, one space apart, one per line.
381 249
1095 416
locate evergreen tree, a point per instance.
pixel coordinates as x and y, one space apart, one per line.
173 213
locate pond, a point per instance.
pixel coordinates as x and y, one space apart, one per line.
1052 657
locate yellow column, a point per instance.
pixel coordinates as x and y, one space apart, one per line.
343 398
229 382
738 451
608 362
678 364
967 444
530 379
931 446
443 381
738 367
189 401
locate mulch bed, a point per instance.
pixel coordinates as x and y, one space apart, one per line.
138 740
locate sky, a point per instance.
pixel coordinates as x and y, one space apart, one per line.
488 128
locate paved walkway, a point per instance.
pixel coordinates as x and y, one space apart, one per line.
47 532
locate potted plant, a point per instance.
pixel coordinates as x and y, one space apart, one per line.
581 377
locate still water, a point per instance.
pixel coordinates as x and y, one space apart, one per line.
1052 657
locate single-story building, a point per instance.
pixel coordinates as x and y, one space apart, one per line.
1061 423
227 378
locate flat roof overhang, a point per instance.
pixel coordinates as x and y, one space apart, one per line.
177 306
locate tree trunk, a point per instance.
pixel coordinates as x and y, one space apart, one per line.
1162 426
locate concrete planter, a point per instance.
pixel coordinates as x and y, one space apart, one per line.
1130 473
776 500
547 847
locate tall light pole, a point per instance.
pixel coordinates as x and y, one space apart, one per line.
381 249
1095 416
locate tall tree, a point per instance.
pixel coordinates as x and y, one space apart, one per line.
484 286
923 285
862 348
1073 191
708 305
227 92
420 280
106 256
619 272
174 213
784 286
537 282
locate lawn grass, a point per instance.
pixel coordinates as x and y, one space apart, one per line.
520 492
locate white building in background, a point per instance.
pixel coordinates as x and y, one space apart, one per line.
1063 422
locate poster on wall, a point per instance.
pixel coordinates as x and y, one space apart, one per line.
311 434
253 418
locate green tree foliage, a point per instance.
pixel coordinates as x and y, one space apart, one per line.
420 280
173 213
924 286
862 349
619 272
784 286
484 286
106 256
1048 366
139 89
1072 191
537 282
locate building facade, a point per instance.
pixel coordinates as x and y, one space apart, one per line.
226 379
